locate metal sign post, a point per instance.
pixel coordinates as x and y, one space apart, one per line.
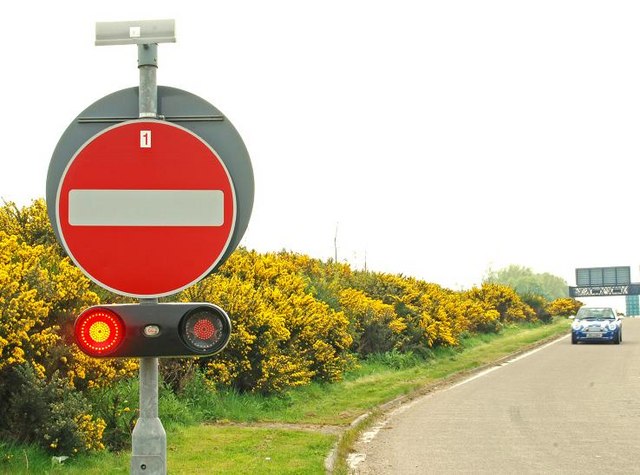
148 439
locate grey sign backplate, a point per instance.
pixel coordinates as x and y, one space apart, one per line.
175 105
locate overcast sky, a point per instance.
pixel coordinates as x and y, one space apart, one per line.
438 138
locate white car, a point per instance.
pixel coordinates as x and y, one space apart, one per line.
596 324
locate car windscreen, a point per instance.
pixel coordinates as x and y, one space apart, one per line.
596 314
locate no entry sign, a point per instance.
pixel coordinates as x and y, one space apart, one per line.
146 208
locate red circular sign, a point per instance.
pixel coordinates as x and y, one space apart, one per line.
146 208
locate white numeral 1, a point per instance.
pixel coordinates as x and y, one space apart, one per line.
145 139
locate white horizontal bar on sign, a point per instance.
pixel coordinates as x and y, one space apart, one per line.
146 208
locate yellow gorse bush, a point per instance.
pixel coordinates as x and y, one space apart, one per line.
372 322
23 333
564 307
504 299
298 319
282 335
295 319
92 430
41 292
427 315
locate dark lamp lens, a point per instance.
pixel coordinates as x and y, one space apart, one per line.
205 329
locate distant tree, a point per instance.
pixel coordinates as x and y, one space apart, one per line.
526 282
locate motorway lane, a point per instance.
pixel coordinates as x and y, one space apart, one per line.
562 409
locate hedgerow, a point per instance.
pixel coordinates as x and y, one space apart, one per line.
295 320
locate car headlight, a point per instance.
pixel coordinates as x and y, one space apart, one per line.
612 326
576 325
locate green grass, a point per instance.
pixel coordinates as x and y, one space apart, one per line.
198 449
204 448
247 450
16 459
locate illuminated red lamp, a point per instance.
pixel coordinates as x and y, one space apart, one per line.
99 331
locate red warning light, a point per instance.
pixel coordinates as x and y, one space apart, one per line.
154 330
99 331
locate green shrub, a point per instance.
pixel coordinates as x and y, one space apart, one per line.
174 409
176 373
201 397
49 413
539 305
117 405
396 359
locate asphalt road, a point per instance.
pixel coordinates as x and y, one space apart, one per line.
561 409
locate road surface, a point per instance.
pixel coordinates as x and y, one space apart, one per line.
561 409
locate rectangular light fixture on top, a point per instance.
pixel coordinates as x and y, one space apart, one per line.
135 32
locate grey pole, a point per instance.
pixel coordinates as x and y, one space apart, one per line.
148 439
148 65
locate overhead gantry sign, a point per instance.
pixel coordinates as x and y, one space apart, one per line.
604 281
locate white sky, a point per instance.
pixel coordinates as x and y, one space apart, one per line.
440 138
